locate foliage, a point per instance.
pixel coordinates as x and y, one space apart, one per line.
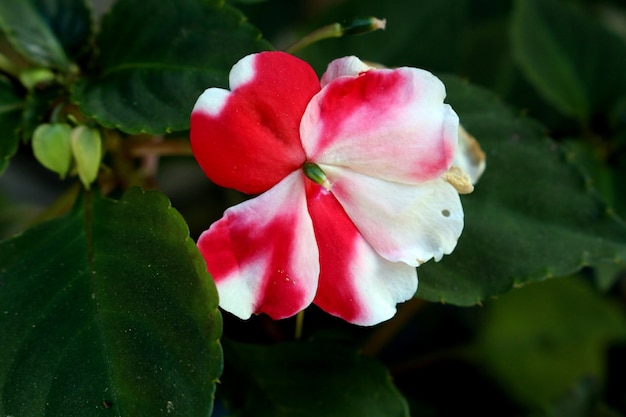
105 302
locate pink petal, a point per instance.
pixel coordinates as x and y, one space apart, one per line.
248 138
402 222
263 254
390 124
355 283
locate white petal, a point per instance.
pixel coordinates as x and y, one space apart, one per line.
402 222
346 66
469 157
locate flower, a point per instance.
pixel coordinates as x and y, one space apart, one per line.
355 179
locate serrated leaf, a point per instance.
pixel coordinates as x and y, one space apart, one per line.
558 47
108 310
11 105
153 67
309 379
530 217
540 340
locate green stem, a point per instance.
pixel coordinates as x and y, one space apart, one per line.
299 325
327 32
337 30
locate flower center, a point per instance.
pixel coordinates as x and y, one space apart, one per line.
315 174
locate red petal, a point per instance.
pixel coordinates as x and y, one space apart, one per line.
355 283
248 139
262 253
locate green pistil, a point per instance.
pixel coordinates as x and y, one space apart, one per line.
315 174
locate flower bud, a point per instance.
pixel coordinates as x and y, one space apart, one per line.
51 146
363 25
87 149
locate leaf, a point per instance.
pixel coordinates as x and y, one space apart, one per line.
538 353
39 104
152 68
531 216
582 400
108 310
315 378
558 47
11 105
72 23
30 35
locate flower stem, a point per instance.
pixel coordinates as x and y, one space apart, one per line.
337 30
160 148
299 325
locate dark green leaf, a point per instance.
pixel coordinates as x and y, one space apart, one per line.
49 33
157 56
540 340
574 62
582 400
71 21
531 216
38 107
108 311
11 105
308 379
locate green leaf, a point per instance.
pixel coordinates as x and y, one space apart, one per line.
531 216
582 400
152 68
30 34
540 340
308 379
558 47
49 33
51 146
108 310
72 23
11 105
39 105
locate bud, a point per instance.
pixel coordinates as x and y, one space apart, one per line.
315 174
336 30
363 25
51 146
87 149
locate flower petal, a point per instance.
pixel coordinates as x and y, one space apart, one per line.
248 138
346 66
263 254
390 124
470 158
407 223
355 282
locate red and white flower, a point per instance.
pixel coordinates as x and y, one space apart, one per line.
355 180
